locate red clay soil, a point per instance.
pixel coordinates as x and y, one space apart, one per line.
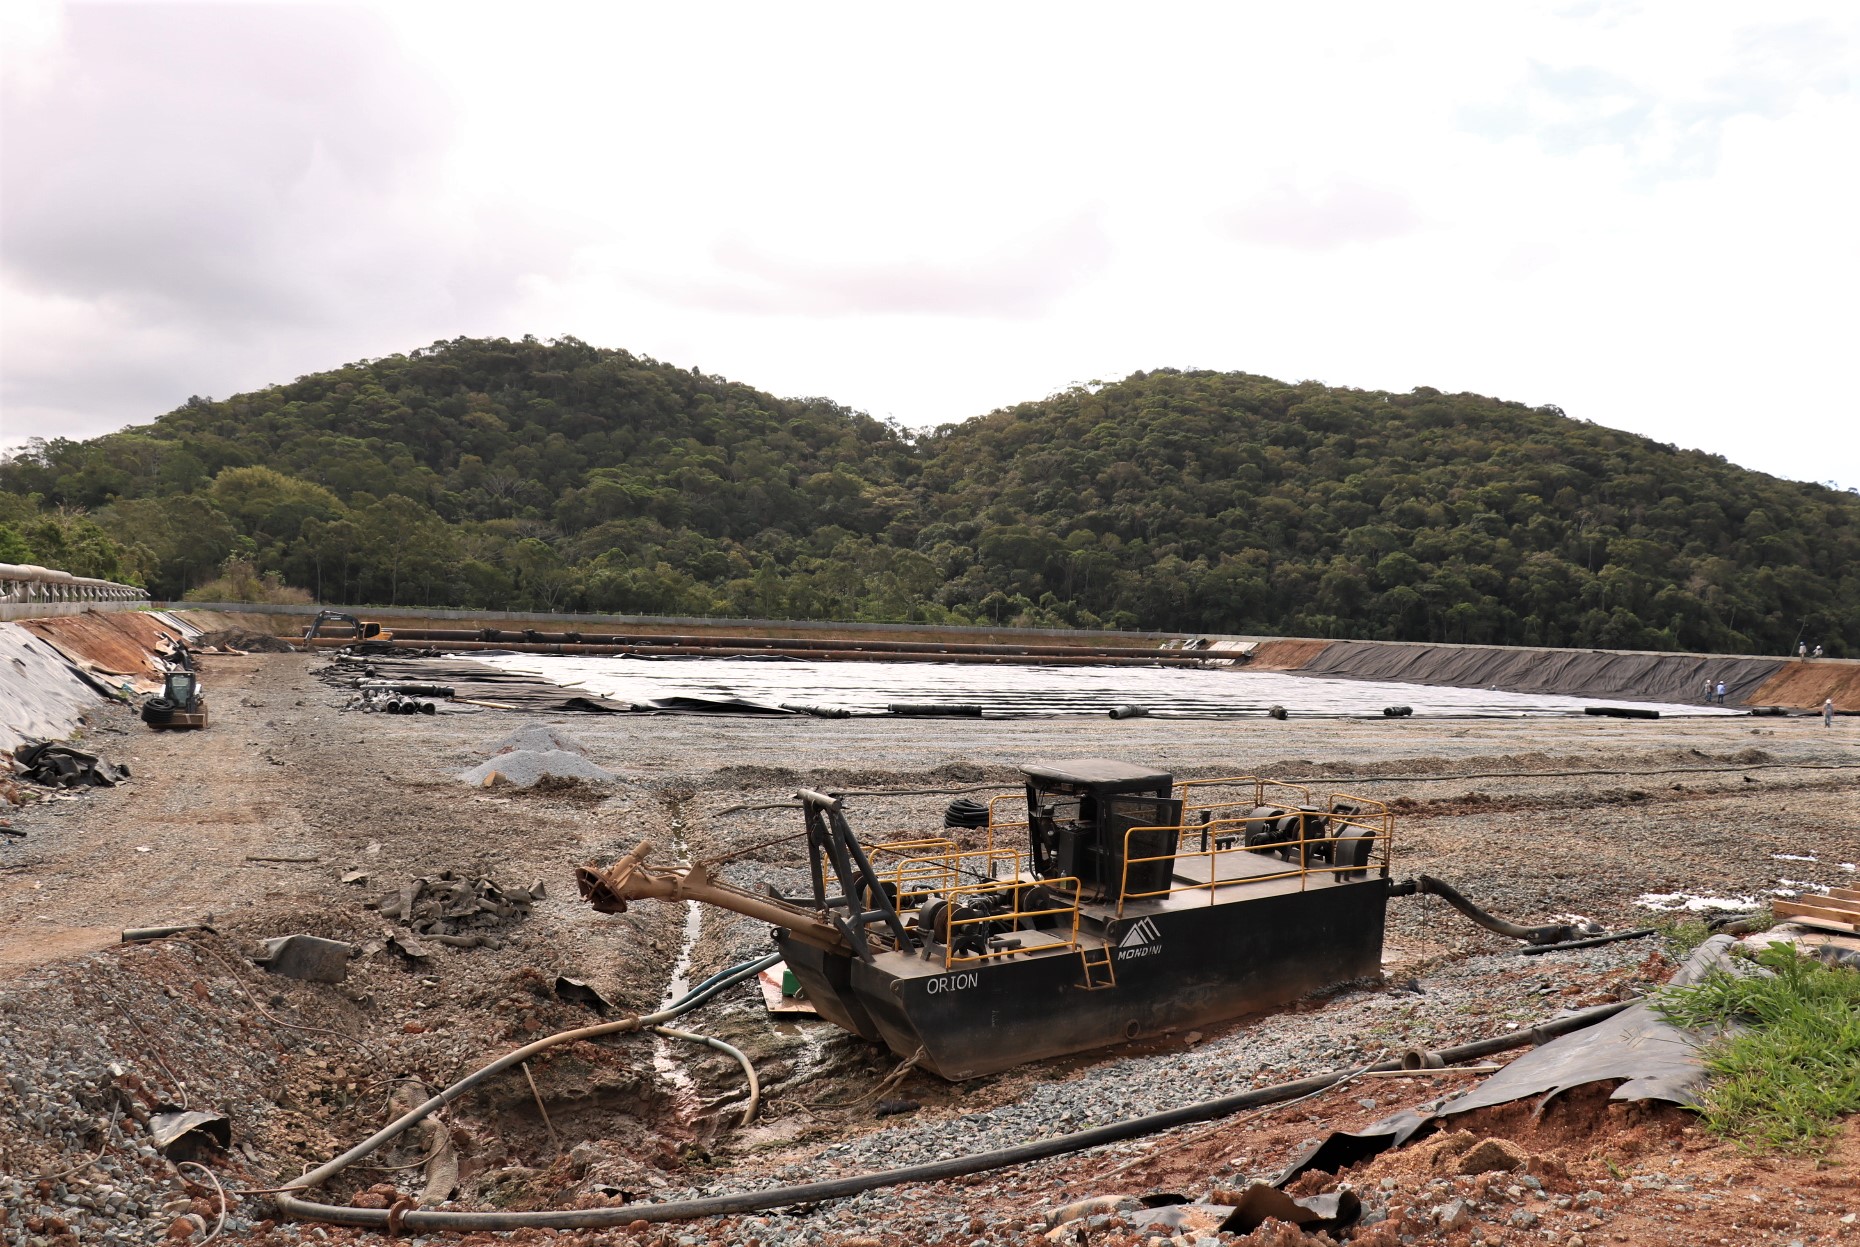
1805 683
1289 654
117 643
1588 1173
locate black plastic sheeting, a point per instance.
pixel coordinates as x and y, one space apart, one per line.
1654 1059
60 766
1678 678
468 681
1650 1057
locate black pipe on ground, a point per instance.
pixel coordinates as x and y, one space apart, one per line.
1639 933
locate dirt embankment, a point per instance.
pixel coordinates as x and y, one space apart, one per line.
115 645
1289 654
1805 684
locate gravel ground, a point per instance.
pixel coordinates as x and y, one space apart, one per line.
257 821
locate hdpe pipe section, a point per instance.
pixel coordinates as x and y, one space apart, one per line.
1638 933
420 1220
1550 933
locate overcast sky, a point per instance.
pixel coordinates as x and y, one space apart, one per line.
1647 214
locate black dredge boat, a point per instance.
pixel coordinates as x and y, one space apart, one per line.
1129 906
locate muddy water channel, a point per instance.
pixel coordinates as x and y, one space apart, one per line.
868 688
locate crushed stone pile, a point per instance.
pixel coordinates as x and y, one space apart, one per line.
539 737
525 767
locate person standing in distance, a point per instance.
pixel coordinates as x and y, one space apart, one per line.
1721 692
1827 713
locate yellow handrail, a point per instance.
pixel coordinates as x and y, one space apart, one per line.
1380 833
1187 784
917 874
993 824
1019 888
943 872
1303 791
1260 784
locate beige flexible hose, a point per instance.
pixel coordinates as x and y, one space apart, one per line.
286 1199
749 1071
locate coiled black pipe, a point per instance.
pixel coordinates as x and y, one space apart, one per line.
965 812
840 1188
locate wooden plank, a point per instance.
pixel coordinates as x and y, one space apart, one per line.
1828 925
1810 904
1831 902
1844 909
1815 916
1846 894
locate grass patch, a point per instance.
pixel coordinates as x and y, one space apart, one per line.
1783 1083
1682 932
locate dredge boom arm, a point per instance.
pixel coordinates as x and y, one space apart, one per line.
609 889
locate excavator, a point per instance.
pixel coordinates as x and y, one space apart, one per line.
337 625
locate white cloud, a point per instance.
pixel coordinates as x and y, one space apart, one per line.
1641 212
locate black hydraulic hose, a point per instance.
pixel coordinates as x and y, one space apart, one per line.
706 991
1552 933
1639 933
728 972
955 1167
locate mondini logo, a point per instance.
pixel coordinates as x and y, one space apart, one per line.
1141 940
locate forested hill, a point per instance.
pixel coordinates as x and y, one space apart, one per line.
558 476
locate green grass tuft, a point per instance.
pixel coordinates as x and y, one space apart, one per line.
1783 1083
1683 932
